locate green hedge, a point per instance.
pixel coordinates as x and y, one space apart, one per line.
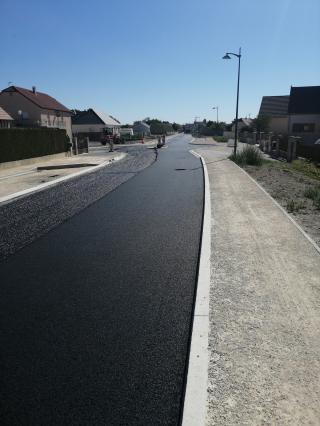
19 144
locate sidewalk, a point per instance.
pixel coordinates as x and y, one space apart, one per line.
264 339
24 178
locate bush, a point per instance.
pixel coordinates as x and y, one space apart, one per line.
20 144
248 156
220 139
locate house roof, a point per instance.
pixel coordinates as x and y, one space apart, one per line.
304 100
40 99
272 106
4 115
245 121
107 119
141 123
92 116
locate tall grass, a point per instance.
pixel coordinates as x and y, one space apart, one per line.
307 168
248 156
314 194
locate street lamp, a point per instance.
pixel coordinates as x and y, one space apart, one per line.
217 108
227 56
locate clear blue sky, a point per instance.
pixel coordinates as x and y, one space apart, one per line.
161 59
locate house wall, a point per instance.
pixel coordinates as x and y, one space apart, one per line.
92 128
307 137
48 118
279 125
5 124
140 128
32 114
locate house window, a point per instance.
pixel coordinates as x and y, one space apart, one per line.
303 127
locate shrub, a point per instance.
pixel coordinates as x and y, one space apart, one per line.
248 156
220 139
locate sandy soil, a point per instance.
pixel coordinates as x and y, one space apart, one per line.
287 185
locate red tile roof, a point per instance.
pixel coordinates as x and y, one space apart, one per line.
42 100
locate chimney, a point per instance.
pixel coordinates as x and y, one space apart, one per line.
34 90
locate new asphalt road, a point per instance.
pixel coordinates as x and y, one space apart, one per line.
96 313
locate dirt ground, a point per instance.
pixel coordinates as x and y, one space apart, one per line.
288 186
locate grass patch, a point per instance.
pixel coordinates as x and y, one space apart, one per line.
307 168
220 139
313 194
248 156
294 206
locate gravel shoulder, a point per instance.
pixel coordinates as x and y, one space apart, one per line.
288 187
264 335
27 218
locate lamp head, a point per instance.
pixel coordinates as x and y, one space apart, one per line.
226 56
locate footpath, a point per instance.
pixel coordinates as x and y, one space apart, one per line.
21 180
264 336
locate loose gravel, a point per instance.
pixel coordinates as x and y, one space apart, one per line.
29 217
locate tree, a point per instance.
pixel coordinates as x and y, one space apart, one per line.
176 127
261 123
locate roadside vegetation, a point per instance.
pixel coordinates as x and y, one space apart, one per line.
296 186
220 139
313 193
307 168
248 156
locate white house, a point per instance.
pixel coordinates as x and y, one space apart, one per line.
94 122
142 128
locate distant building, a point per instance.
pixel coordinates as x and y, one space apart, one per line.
304 113
242 123
141 128
94 123
126 131
276 108
30 108
6 120
188 127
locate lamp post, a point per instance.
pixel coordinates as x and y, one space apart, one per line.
217 108
227 56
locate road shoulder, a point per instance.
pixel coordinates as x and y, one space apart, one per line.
264 307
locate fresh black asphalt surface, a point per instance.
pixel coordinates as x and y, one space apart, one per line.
26 219
96 313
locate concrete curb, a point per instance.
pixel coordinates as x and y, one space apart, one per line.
43 186
195 401
315 245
